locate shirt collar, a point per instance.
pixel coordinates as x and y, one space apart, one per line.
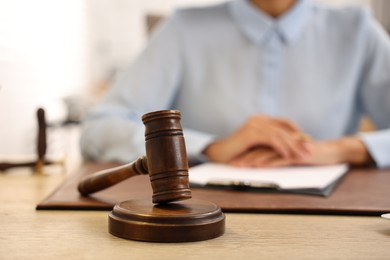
257 25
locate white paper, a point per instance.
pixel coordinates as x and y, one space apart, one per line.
386 216
317 177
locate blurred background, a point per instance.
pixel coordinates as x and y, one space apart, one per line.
62 54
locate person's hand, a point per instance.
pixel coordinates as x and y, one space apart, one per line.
262 156
281 135
349 150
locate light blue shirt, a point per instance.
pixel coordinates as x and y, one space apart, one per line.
319 66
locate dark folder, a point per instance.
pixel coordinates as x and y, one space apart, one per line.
362 191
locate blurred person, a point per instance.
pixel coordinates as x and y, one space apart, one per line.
253 79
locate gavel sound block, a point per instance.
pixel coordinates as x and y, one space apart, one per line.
171 215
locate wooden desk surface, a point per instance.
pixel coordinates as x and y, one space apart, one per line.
27 234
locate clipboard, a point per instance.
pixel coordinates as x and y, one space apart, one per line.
310 180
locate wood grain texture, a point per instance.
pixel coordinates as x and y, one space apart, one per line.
183 221
26 233
106 178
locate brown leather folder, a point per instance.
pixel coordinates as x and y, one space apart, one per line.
362 191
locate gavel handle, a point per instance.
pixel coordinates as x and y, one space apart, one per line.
106 178
41 140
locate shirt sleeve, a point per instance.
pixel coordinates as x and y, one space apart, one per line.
375 92
113 130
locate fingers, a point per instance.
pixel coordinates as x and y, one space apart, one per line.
261 157
287 124
281 135
288 144
254 158
283 145
292 144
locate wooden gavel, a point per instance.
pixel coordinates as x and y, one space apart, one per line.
167 166
165 162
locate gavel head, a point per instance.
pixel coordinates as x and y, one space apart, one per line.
166 155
